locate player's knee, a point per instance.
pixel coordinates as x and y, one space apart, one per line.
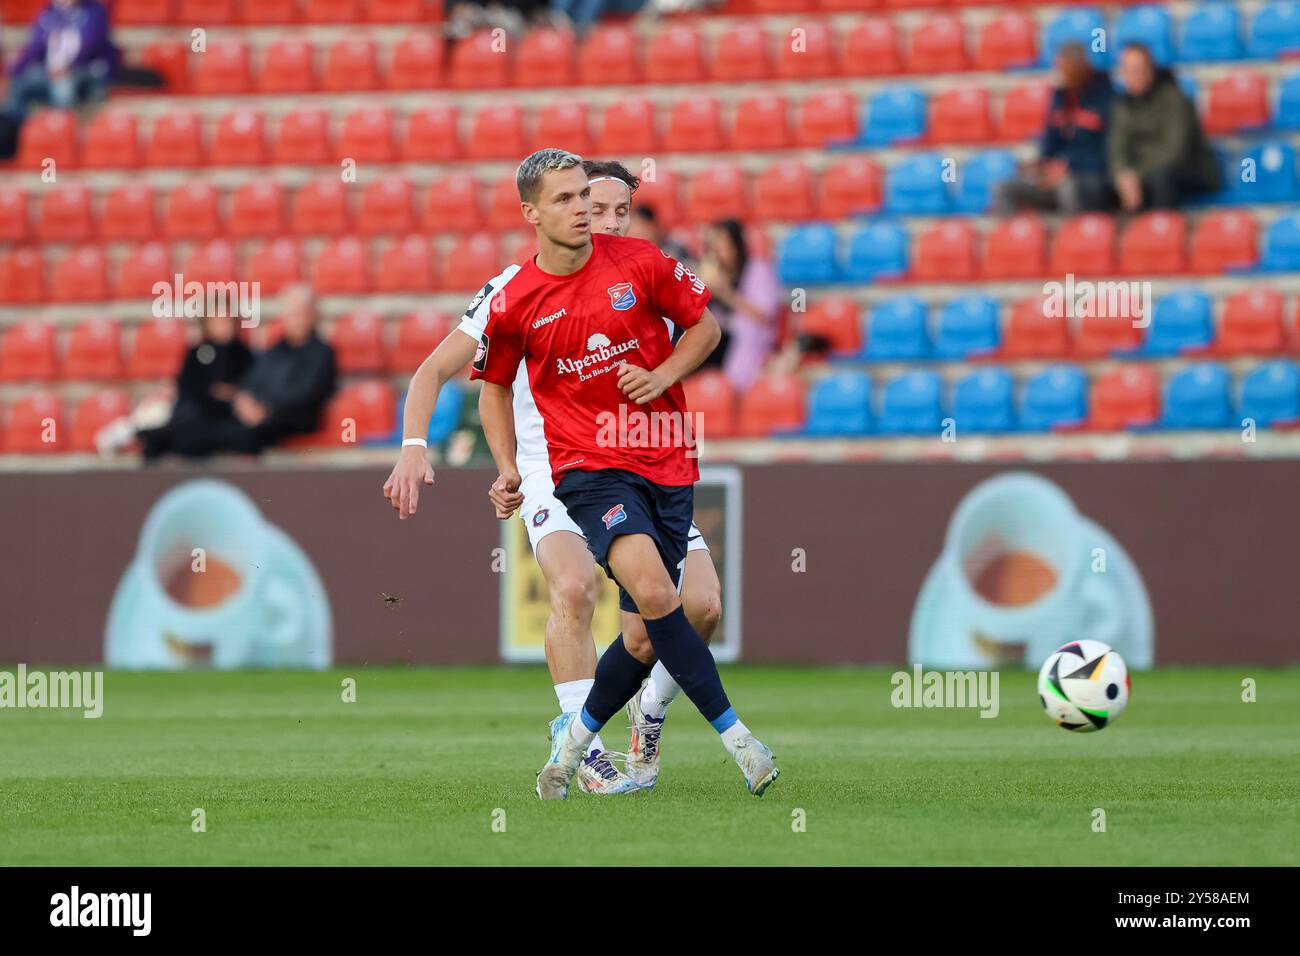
704 610
573 596
638 645
657 599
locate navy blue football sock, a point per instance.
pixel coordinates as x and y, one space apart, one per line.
689 662
618 677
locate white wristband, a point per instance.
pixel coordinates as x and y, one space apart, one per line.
423 443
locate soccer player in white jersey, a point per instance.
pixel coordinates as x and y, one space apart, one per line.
557 542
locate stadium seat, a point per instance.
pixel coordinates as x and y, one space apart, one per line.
223 69
1054 399
1275 31
546 57
211 261
144 266
48 135
342 267
915 185
406 266
945 252
22 276
288 66
350 67
95 411
897 330
416 63
175 140
1210 32
1085 245
387 207
1076 25
191 212
240 139
1107 330
275 265
80 276
878 251
1264 173
775 403
158 349
1237 103
445 417
14 223
717 192
63 215
331 11
418 334
366 136
961 115
911 404
893 115
1006 42
171 59
397 11
938 45
872 48
1252 323
94 351
694 126
826 118
807 256
257 209
628 128
1282 245
809 55
840 406
320 208
610 55
1224 240
978 178
471 261
983 402
503 205
28 353
267 11
1016 248
128 213
784 191
1154 244
432 135
1197 397
1270 394
136 13
849 187
760 123
112 141
675 54
1125 397
451 204
360 412
710 395
1150 25
1024 111
1180 322
967 328
741 55
34 425
497 132
206 12
1288 103
564 123
302 139
358 342
838 322
1036 331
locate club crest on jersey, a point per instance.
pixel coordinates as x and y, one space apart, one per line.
621 296
615 515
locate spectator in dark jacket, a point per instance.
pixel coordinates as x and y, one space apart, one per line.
1157 154
1070 173
68 59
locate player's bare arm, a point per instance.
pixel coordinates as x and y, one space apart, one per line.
696 344
402 489
496 412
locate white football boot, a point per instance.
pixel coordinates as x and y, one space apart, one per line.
566 755
599 775
642 763
756 763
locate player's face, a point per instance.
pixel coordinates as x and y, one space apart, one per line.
562 210
611 207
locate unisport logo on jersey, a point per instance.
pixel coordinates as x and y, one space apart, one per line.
615 515
621 296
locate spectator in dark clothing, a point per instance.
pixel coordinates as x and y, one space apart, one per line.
645 225
1157 155
1070 173
69 59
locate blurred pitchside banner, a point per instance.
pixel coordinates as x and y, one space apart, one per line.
525 600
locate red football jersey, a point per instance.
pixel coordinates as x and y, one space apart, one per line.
574 332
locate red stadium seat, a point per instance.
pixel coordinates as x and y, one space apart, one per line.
945 252
838 321
223 69
158 350
342 266
1085 245
302 139
275 265
1008 40
716 192
826 117
564 123
451 204
240 139
740 54
694 126
871 48
358 342
129 213
609 56
387 207
849 187
136 13
784 191
48 135
191 212
497 132
628 129
808 52
260 12
28 353
1016 248
418 334
143 266
95 411
1252 323
1224 240
709 394
471 261
211 261
397 11
961 115
432 135
938 45
503 212
367 136
660 191
331 11
1024 111
406 266
209 13
1237 102
112 141
1154 244
34 425
80 276
480 62
546 57
257 209
519 247
171 58
675 54
1100 336
94 352
288 67
14 224
1124 397
360 412
350 67
320 208
22 276
63 215
417 63
761 123
175 139
774 403
1032 333
848 6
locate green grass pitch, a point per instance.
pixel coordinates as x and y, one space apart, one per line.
414 771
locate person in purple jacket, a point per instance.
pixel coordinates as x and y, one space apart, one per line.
68 59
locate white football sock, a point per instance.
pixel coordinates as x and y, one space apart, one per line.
733 734
572 695
660 691
579 732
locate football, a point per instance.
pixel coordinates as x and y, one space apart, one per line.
1083 686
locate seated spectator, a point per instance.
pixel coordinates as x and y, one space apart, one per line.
645 225
582 14
747 300
1070 173
1157 155
68 59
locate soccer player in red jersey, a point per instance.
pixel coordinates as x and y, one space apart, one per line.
586 317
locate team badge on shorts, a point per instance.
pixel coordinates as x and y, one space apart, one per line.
540 517
621 296
615 515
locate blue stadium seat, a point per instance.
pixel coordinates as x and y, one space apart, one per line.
840 405
1270 394
1149 25
915 186
1211 32
1288 103
807 255
446 416
911 405
1076 26
896 330
977 177
1282 245
877 251
1181 320
1197 397
983 402
894 114
1055 398
1276 27
1274 174
967 326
